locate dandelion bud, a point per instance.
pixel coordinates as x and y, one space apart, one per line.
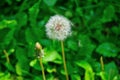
58 27
39 50
38 46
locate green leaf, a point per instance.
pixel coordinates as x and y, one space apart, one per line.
8 24
5 76
109 13
79 11
111 69
89 74
1 74
50 2
117 77
107 49
51 77
103 75
75 77
38 77
22 18
21 56
116 30
9 37
30 37
110 72
51 69
98 35
18 69
33 12
35 64
68 14
20 78
72 45
85 46
52 56
9 67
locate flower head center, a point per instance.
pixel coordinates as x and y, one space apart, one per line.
58 27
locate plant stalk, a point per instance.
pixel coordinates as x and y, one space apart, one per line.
7 56
64 62
43 73
102 63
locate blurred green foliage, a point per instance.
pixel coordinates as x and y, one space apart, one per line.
95 33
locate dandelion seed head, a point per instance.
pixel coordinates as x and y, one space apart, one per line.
58 27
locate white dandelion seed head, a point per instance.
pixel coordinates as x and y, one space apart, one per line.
58 27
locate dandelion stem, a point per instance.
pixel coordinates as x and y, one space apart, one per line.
64 62
43 73
40 54
6 55
102 63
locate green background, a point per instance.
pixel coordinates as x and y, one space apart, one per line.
95 33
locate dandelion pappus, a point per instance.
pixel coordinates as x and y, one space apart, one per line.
58 27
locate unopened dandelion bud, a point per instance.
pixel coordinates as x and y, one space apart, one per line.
39 50
38 46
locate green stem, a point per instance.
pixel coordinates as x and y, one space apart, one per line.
102 63
43 73
6 55
64 62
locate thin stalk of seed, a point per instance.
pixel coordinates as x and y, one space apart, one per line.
43 72
64 62
102 63
6 55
